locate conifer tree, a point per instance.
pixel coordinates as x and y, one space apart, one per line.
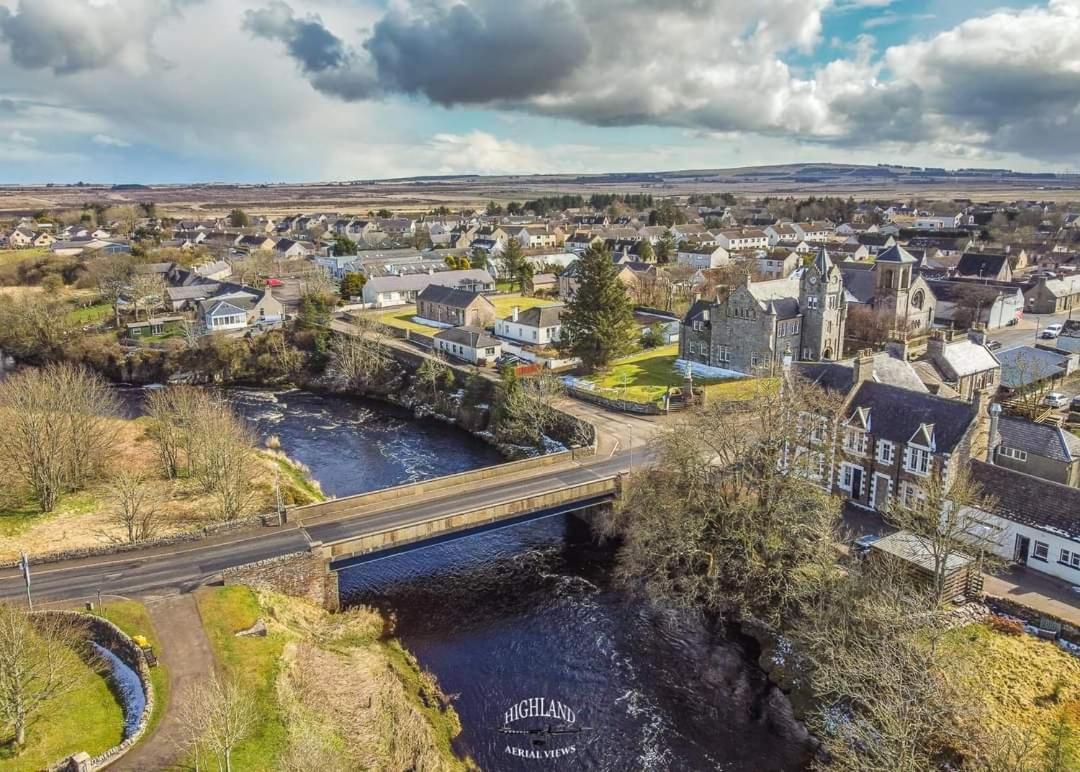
598 326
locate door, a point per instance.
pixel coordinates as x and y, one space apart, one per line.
856 483
881 491
1020 554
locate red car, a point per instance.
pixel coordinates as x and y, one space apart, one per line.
275 283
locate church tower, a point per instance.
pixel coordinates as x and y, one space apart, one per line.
895 268
824 313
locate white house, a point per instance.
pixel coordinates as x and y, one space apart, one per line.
536 326
471 344
221 315
702 256
935 222
814 231
383 291
747 238
1039 520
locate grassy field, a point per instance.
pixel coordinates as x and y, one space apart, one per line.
14 256
646 377
87 719
504 304
1031 683
16 517
92 314
253 662
132 617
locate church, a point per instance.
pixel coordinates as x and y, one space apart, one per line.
754 326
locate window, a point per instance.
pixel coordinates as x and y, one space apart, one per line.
917 461
1013 453
847 479
1040 551
886 452
812 302
855 441
755 360
911 495
723 354
1071 559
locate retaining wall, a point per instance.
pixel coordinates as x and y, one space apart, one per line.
301 574
105 633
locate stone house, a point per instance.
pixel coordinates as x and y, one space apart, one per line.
757 324
1040 450
454 307
1053 296
964 363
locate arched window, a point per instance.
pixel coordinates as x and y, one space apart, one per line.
918 299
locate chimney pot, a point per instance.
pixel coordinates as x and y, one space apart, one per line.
514 312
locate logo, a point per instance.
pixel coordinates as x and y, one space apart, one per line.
539 728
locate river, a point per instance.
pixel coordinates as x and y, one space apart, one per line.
532 611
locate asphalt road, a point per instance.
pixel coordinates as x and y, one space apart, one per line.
1024 333
185 566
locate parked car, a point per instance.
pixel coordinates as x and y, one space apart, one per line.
1055 399
1051 331
993 345
1075 406
275 283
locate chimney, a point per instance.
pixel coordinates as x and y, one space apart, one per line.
864 365
935 345
898 349
991 445
977 334
514 313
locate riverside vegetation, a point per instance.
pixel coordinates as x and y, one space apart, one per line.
326 691
868 656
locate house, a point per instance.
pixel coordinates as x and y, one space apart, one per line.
691 232
628 275
471 344
784 231
537 237
254 243
874 242
579 243
966 303
1053 296
218 270
20 238
592 220
964 363
454 307
984 265
538 326
698 256
747 238
42 239
396 226
1025 366
778 264
239 310
892 440
759 323
815 232
290 249
1039 520
1041 450
383 291
936 222
541 283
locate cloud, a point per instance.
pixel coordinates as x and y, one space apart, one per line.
108 141
889 18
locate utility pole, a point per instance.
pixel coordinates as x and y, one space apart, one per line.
278 504
24 563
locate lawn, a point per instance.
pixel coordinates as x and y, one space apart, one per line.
92 314
646 377
14 256
16 517
504 304
132 617
1031 683
87 719
253 662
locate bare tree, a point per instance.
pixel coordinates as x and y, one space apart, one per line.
1030 379
172 412
433 374
950 517
135 506
525 413
732 514
223 447
868 325
57 433
38 663
360 358
218 716
147 291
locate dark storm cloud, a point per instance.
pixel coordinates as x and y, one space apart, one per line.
313 46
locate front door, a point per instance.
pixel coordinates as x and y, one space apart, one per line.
881 491
1020 554
856 483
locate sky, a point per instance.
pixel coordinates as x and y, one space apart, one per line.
174 91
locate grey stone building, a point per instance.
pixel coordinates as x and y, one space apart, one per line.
753 326
1041 450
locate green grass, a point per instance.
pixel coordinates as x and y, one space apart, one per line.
504 304
294 478
20 516
402 317
88 719
132 617
446 724
647 376
92 314
253 662
14 256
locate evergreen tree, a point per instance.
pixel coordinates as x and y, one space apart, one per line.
238 218
598 326
518 268
352 284
478 258
665 248
645 251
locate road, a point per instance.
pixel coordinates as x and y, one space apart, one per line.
1024 333
185 566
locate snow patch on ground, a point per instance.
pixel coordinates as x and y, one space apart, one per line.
430 323
705 371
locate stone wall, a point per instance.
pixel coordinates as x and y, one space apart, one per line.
301 574
111 637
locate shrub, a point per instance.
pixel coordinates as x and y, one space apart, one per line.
1006 625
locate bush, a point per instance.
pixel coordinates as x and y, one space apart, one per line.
1006 625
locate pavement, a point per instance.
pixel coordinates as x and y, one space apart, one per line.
186 652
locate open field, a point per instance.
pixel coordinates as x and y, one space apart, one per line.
646 377
423 194
14 256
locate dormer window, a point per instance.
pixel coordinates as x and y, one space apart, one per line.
918 460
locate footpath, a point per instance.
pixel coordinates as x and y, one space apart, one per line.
186 652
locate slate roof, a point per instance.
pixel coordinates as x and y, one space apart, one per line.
1029 500
1044 440
473 337
840 376
964 357
540 316
1024 365
896 254
860 283
697 312
419 281
985 264
896 414
449 296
